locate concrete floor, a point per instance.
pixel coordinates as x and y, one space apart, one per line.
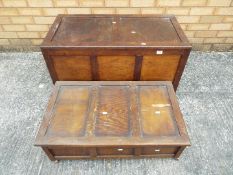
206 100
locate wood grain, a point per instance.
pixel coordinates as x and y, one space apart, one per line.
115 31
120 47
150 150
116 67
160 68
99 119
156 112
113 117
70 112
80 151
72 67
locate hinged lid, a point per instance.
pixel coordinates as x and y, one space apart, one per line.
120 31
113 113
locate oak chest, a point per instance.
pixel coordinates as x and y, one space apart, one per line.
89 119
116 47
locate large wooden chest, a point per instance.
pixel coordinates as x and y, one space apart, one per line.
116 47
112 119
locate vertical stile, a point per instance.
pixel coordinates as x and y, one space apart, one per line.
137 68
134 116
94 68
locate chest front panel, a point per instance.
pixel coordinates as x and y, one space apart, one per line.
116 68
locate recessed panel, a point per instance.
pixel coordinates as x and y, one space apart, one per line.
112 30
112 118
116 67
84 30
70 151
114 151
70 112
156 112
159 68
151 150
72 67
148 30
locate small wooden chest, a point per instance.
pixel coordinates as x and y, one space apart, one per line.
116 48
112 119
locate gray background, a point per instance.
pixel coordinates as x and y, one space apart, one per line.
206 100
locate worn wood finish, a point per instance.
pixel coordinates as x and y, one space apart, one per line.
151 150
112 118
138 67
152 124
159 67
116 67
180 150
70 102
116 47
94 68
95 119
72 68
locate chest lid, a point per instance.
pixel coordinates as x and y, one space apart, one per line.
115 31
113 113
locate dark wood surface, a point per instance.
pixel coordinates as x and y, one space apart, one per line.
115 31
116 48
94 119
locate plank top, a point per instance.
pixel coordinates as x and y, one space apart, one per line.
112 113
116 31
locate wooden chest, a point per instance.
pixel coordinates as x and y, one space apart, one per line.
90 119
116 48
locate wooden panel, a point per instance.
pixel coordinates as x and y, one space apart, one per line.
64 151
138 67
115 151
115 40
116 67
159 67
150 150
111 51
72 67
70 112
96 119
115 31
156 111
86 30
113 111
147 30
